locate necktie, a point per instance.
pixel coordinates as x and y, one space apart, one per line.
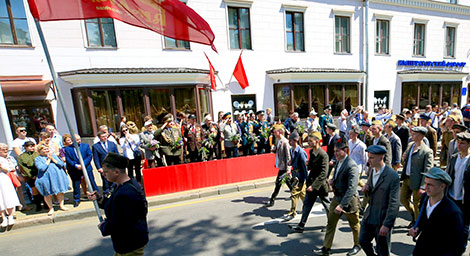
105 147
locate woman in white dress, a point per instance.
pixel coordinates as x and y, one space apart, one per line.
8 197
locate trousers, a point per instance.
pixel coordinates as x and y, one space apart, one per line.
333 218
405 198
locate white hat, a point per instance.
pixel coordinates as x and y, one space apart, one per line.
148 123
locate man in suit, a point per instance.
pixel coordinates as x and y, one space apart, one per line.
452 149
283 158
299 173
402 131
440 228
395 144
383 188
417 160
379 139
346 200
331 139
431 135
459 170
100 150
317 185
75 169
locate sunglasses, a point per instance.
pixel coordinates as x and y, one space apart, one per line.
22 130
125 130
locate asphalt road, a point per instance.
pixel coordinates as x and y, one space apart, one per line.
232 224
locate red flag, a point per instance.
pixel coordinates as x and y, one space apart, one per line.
212 74
170 18
239 73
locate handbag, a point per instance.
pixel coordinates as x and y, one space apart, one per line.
14 179
137 153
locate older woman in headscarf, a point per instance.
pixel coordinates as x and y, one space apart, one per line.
51 179
8 197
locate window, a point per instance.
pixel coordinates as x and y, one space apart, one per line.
382 37
239 28
425 93
450 42
13 24
185 100
419 39
159 102
301 100
171 43
283 104
100 32
453 2
132 105
82 112
342 37
295 31
105 108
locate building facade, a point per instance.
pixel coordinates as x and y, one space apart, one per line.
297 55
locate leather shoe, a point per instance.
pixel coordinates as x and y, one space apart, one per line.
322 251
270 203
287 217
76 203
354 250
296 228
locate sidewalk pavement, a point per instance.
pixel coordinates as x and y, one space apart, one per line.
86 208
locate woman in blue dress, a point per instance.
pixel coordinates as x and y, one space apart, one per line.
51 179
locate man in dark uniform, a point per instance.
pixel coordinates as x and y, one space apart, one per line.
248 138
325 118
439 228
193 136
125 209
346 200
366 135
261 129
171 141
211 133
431 134
383 189
317 184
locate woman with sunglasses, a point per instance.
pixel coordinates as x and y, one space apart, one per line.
130 148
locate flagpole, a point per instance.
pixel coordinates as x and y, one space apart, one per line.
235 67
69 124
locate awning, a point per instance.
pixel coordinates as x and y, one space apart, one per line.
135 76
21 86
315 75
417 75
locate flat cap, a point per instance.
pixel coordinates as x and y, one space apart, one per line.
420 129
438 174
269 109
115 160
377 149
377 122
400 116
260 112
331 126
424 117
391 123
168 118
459 126
356 129
327 107
316 134
464 136
364 124
294 136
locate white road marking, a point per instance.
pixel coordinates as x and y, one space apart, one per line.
317 211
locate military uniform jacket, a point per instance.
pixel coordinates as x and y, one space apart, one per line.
367 138
443 232
168 138
386 143
384 199
194 135
259 128
318 167
432 137
421 162
345 185
466 185
325 119
247 131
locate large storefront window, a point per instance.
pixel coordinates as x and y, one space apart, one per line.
301 100
132 105
159 102
185 100
425 93
29 114
109 104
340 96
106 110
82 111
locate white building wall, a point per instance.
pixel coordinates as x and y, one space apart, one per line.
137 47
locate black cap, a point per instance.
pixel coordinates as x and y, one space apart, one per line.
260 112
424 117
327 107
400 116
115 160
294 136
192 116
365 124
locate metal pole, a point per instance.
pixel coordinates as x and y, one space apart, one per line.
366 89
69 124
5 120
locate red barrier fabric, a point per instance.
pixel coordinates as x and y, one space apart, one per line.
163 180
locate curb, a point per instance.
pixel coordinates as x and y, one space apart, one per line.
152 201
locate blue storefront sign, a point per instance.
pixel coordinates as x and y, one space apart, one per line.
414 63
